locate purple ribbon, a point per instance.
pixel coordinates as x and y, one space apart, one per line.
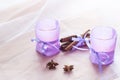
44 45
97 54
86 40
81 42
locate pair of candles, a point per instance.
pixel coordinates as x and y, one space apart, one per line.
102 41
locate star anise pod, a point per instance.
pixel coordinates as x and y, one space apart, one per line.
51 65
68 68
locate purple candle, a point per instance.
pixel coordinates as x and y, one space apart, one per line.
47 34
103 42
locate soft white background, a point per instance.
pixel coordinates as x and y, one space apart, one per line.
18 59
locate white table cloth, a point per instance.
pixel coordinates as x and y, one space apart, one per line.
20 61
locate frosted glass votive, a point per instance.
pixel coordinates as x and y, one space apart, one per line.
47 33
103 42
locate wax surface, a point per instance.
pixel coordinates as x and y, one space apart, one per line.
103 42
103 39
102 33
46 24
47 30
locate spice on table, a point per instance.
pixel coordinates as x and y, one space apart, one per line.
67 39
85 33
63 46
51 65
88 35
68 68
68 47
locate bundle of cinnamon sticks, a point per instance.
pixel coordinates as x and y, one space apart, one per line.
68 43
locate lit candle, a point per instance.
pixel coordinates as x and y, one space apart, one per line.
47 34
103 42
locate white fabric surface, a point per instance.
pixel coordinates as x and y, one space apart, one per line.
18 59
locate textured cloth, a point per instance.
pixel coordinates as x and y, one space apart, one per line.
20 61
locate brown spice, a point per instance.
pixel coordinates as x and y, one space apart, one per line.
67 39
63 46
88 35
85 33
51 65
68 68
67 47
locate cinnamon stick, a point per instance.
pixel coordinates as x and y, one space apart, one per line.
70 46
67 39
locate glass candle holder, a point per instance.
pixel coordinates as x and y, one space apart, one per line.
103 42
47 34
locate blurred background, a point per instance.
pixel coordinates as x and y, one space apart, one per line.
20 16
17 23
